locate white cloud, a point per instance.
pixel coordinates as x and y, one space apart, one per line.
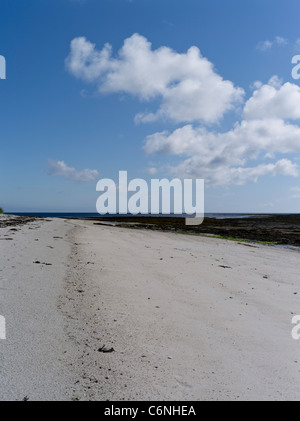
264 45
61 169
186 83
226 175
152 170
220 158
245 141
267 45
280 41
274 100
256 85
190 91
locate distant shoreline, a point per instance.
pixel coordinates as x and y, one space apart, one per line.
88 215
276 229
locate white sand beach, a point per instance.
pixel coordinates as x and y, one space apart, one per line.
188 317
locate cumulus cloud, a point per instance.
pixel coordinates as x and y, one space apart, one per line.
274 100
220 157
246 140
61 169
189 91
187 85
226 175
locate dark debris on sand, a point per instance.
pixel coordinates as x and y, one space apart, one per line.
278 229
14 221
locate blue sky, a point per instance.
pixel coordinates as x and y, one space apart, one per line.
227 111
